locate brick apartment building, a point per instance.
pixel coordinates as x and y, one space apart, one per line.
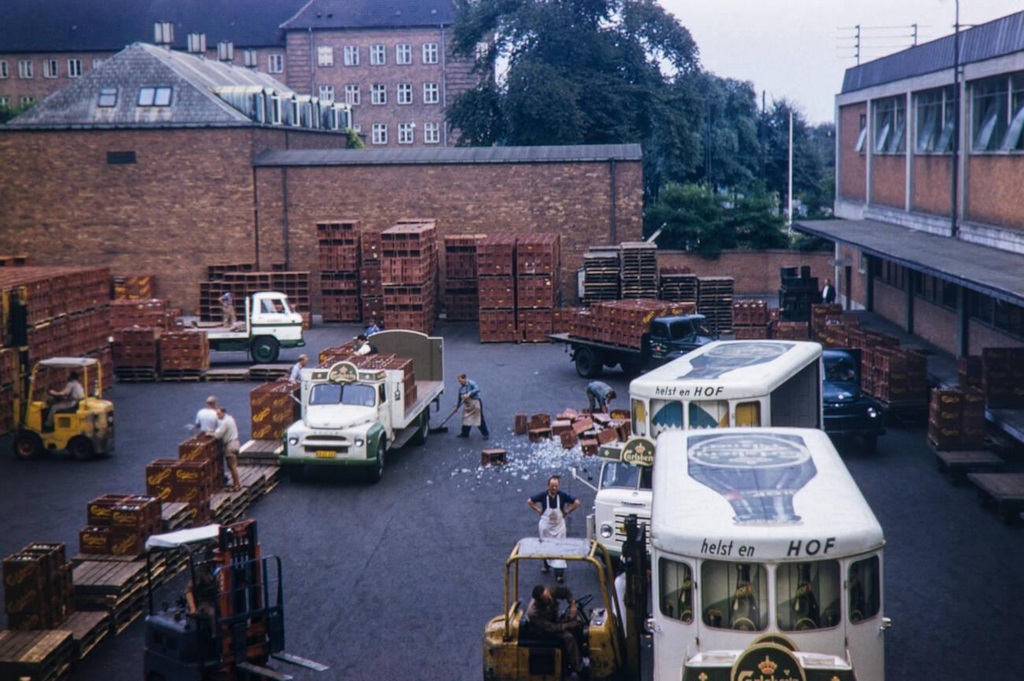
389 58
929 170
164 163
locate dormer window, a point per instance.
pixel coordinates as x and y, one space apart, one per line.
108 97
155 96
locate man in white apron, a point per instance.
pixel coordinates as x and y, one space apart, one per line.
553 505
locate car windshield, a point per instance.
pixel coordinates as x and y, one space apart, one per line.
840 368
333 393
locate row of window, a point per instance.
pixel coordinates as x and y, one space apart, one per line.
406 133
51 68
996 115
379 94
378 54
5 101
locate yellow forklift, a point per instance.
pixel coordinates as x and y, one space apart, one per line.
610 618
84 429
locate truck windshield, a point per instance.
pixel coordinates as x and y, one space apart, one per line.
625 475
353 394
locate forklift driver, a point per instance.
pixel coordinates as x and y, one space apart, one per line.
64 400
543 620
201 594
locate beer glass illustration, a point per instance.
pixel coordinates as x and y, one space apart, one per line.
757 473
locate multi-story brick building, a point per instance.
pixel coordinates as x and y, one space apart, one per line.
390 59
929 170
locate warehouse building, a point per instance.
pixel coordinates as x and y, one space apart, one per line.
930 162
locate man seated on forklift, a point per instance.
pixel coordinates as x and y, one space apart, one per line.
65 400
201 593
543 621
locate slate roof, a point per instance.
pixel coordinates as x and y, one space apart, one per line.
449 155
372 14
194 82
110 25
985 41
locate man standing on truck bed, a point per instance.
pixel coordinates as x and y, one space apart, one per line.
472 407
599 395
227 309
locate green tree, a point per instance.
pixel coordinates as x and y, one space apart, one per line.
693 219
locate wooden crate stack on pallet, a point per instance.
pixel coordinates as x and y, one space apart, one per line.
409 275
638 277
272 408
338 257
461 300
119 524
38 589
830 325
714 301
1003 377
136 329
677 284
184 355
601 268
750 320
538 263
67 315
623 322
137 287
496 268
956 418
371 285
190 482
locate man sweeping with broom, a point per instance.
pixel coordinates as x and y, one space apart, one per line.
472 407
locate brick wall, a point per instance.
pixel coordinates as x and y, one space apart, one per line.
888 180
573 199
931 186
993 191
852 165
755 272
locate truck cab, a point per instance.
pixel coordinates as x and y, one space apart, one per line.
671 337
847 411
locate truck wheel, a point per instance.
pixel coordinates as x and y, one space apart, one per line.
265 349
80 448
27 445
377 472
588 364
422 426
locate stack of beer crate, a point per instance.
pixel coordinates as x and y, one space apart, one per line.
338 254
956 419
970 371
38 589
677 284
371 285
601 274
896 375
496 268
184 355
1003 377
137 287
750 320
136 328
538 263
714 301
181 481
119 524
461 298
623 322
639 270
830 326
272 408
409 275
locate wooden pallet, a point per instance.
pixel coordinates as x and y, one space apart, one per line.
269 372
36 655
958 463
116 587
228 374
179 375
175 515
136 375
87 630
1005 491
261 452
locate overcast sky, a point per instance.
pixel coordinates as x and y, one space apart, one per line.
799 49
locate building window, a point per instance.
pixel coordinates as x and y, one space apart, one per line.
155 96
934 116
403 53
405 93
74 68
325 55
352 95
862 135
351 55
997 114
5 71
251 59
890 119
431 93
50 68
380 133
378 56
275 63
5 102
108 97
406 132
327 94
28 100
25 68
120 158
431 133
378 94
429 53
892 274
1005 317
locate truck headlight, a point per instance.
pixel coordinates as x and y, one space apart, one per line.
293 441
872 413
607 530
359 441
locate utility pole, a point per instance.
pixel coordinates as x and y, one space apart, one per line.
955 174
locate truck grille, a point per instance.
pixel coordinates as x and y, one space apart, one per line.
620 527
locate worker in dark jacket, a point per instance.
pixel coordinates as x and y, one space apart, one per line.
543 620
599 395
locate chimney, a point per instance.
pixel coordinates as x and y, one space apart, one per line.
163 33
197 43
226 50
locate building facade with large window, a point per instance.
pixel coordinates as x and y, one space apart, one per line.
929 171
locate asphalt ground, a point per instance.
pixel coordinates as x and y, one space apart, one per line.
396 580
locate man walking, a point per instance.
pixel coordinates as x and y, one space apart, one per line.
472 407
227 438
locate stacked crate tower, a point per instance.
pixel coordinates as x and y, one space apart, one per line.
371 285
538 263
677 284
639 270
495 257
601 274
338 257
461 296
714 301
409 275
